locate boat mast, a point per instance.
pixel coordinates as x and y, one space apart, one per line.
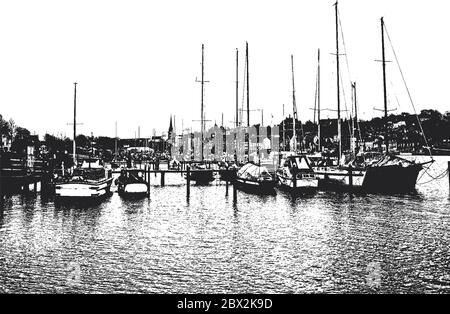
337 81
352 131
201 119
284 132
115 142
384 87
318 98
237 87
294 135
75 124
248 93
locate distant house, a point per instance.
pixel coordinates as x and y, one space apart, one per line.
398 125
5 143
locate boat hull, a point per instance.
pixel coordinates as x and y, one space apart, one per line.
336 178
376 179
202 176
298 184
83 189
227 174
391 179
260 187
133 189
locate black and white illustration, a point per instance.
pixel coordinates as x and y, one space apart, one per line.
224 147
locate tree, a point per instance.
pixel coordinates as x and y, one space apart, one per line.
5 128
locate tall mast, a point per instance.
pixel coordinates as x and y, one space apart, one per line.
248 93
201 118
237 87
352 118
384 86
352 133
75 124
115 143
318 98
294 109
284 132
337 81
356 113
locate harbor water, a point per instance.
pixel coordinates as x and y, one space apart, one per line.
168 243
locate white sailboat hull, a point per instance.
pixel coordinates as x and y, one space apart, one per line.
83 189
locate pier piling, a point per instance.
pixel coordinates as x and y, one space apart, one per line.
147 178
350 177
234 192
226 187
188 180
448 172
163 178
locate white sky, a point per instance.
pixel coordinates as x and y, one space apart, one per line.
136 61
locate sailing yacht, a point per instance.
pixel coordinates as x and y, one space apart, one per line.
200 173
296 171
90 180
385 173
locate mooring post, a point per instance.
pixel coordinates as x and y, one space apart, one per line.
448 171
350 176
234 192
188 180
226 186
1 187
163 178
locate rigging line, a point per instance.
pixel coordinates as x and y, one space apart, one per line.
345 103
395 95
441 176
315 100
243 91
407 89
423 173
343 44
348 68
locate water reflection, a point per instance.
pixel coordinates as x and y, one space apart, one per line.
213 242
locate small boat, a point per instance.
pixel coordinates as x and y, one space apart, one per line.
255 178
296 173
131 182
200 174
90 180
227 171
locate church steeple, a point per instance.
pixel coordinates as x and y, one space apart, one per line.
169 133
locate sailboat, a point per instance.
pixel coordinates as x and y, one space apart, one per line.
200 173
390 173
252 176
296 171
91 180
385 173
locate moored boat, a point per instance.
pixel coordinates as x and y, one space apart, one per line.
255 178
91 180
200 174
131 182
296 173
227 171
